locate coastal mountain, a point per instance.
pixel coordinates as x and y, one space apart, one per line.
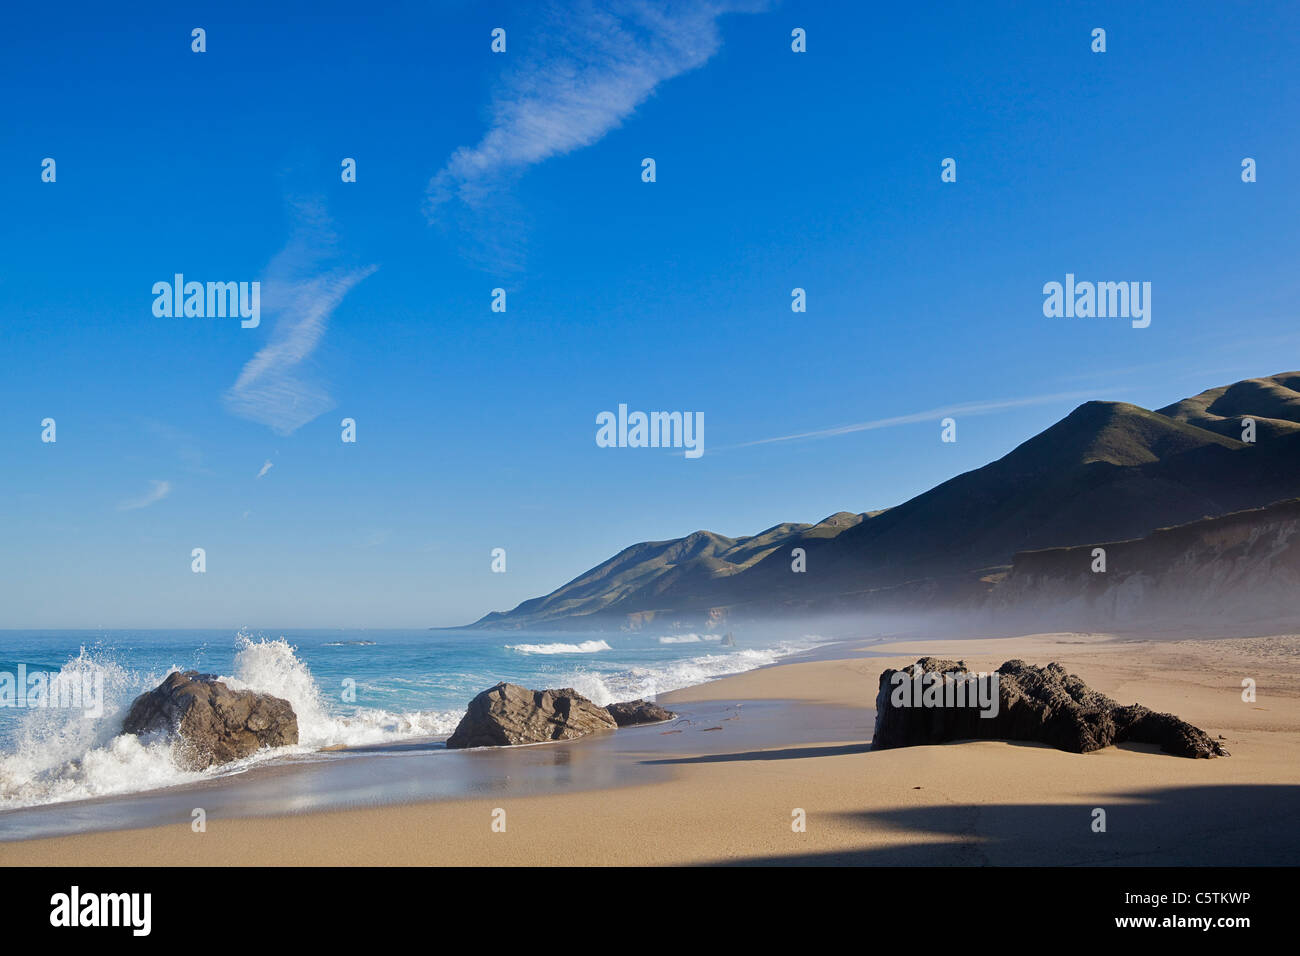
1108 471
1237 569
1274 404
638 575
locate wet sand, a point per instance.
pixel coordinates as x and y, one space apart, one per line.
758 751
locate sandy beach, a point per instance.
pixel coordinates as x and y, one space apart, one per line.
705 800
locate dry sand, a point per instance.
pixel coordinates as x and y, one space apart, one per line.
975 802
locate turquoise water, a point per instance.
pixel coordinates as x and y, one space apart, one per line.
348 687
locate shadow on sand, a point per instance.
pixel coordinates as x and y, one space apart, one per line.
1235 825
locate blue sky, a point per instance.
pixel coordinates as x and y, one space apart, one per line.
522 170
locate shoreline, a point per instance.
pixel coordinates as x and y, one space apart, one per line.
795 735
327 778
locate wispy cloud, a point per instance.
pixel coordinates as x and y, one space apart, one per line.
933 414
265 468
158 490
598 63
277 386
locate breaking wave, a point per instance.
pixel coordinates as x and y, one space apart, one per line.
648 682
586 647
57 754
62 754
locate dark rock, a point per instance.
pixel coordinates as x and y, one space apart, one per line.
508 714
1043 704
638 712
213 723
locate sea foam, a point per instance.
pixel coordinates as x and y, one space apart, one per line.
586 647
635 683
60 754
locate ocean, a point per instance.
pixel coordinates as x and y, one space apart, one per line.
348 688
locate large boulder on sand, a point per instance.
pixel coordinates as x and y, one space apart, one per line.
213 724
508 714
638 712
1043 704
